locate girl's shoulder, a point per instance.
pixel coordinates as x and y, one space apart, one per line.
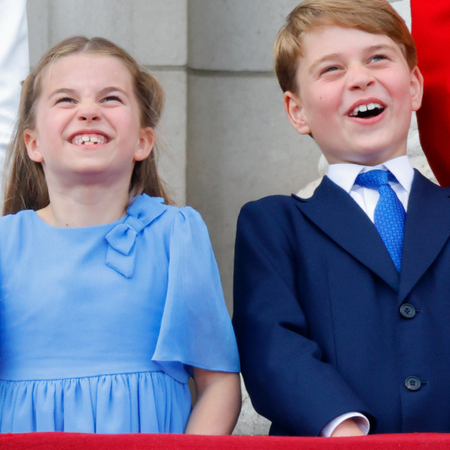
16 231
23 218
148 209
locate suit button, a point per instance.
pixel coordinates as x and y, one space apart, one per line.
413 383
407 311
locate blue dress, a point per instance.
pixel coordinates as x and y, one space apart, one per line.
100 325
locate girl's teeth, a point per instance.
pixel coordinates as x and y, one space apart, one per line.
88 140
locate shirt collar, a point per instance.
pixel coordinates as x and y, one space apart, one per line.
344 175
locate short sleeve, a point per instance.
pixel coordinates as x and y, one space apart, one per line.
196 328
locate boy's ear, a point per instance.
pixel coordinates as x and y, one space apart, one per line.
416 87
31 142
295 111
145 143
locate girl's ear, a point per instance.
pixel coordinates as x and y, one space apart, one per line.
416 87
145 144
296 113
31 142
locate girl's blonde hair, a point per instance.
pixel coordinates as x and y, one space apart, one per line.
26 187
371 16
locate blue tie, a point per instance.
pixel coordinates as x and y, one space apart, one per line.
389 213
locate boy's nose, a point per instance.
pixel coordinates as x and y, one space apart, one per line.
360 77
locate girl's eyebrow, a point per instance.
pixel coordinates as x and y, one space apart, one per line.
62 91
104 91
109 89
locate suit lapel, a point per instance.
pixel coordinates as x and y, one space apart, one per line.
427 229
339 216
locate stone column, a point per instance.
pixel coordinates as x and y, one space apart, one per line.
240 144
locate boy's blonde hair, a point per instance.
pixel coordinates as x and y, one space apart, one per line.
371 16
26 187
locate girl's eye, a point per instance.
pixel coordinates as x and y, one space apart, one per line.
65 100
111 98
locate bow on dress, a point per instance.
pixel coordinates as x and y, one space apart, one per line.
121 253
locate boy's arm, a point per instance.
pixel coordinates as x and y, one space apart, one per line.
283 369
347 428
349 424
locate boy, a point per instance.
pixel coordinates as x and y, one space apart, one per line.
341 302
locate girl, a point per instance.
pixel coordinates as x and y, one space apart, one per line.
110 298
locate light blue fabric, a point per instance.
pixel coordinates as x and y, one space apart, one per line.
100 325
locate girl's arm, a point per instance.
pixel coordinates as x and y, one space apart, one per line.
218 402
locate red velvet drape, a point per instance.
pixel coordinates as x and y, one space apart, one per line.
431 31
74 441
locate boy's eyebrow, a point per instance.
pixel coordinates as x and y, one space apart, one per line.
319 61
331 56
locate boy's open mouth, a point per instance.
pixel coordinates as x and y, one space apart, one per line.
367 111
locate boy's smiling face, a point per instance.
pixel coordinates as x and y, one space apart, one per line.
356 95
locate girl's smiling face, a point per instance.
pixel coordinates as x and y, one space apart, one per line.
88 122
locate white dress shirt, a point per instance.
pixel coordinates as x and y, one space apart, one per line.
344 175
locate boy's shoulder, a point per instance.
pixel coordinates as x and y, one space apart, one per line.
274 203
271 203
271 212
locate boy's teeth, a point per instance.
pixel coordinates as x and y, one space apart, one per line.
88 139
364 108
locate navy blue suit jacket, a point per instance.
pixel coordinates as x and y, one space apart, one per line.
317 318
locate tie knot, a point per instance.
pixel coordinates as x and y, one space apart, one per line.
374 178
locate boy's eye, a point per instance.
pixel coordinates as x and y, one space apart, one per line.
378 58
329 69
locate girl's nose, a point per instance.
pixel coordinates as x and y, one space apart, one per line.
88 113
